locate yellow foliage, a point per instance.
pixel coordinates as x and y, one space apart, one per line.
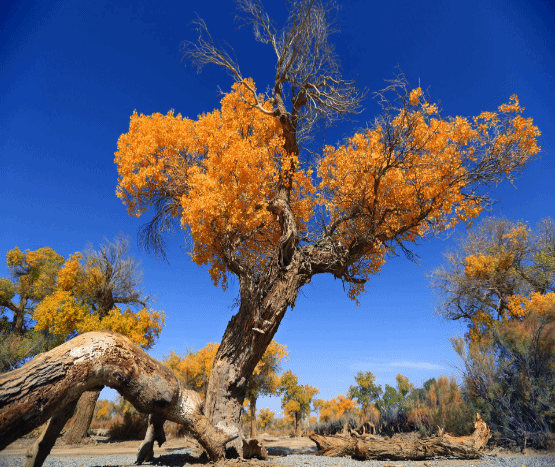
68 309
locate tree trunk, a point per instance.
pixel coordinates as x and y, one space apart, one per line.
253 418
248 334
377 448
83 417
43 445
30 395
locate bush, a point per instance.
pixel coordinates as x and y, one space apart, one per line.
128 427
334 426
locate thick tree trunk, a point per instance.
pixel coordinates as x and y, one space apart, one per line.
83 417
30 395
248 334
377 448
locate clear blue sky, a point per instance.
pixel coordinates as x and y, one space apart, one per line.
73 72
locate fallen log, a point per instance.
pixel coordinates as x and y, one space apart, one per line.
377 448
30 395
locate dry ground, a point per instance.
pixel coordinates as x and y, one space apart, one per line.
276 446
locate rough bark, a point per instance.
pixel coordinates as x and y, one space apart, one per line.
248 334
30 395
42 446
377 448
83 417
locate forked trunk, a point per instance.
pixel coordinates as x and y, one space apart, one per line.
248 334
83 417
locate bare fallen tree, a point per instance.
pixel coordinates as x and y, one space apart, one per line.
371 447
52 382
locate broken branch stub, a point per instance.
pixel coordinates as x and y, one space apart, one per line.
30 395
377 448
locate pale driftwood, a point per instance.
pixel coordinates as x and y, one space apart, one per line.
374 448
30 395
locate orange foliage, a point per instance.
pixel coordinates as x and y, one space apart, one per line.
335 408
219 173
224 168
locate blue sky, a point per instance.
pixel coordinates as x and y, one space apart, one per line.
73 72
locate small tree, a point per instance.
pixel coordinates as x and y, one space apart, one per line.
295 398
365 392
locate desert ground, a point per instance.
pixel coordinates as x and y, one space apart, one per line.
276 446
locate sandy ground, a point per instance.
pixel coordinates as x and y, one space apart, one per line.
276 446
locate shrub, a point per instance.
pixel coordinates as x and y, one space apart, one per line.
128 427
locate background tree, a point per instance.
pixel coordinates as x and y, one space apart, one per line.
234 181
365 391
334 408
194 369
33 275
84 294
510 375
295 398
265 417
494 266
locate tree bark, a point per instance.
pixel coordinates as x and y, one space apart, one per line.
83 417
248 334
30 395
377 448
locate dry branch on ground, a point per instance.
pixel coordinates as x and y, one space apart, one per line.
371 447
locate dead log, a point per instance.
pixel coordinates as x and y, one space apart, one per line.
30 395
376 448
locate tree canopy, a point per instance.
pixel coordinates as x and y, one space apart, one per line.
497 273
60 298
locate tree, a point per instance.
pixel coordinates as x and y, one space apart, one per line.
265 417
235 180
492 270
366 391
334 408
510 375
295 398
33 275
